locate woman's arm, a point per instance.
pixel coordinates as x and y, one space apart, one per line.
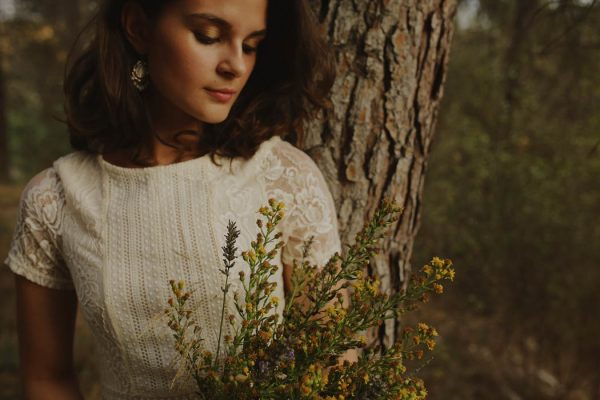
46 324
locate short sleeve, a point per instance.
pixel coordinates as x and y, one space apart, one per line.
34 251
294 178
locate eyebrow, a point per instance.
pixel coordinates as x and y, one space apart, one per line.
221 22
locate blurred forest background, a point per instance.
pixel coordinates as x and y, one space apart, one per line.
512 193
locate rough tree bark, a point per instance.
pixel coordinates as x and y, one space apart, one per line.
392 60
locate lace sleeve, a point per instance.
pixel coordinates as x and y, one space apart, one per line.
34 251
295 179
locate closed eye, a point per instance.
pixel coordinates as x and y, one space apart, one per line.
208 40
205 39
248 49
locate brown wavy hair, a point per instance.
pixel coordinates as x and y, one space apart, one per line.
292 77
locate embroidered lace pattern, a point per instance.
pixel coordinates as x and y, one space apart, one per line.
35 252
117 235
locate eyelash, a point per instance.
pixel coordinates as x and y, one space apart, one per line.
207 40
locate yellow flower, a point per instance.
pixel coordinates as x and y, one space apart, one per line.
261 250
373 286
264 335
252 256
363 340
427 270
437 262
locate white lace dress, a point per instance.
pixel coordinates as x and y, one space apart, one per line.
118 235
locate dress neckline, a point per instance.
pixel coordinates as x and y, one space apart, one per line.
109 164
145 170
191 165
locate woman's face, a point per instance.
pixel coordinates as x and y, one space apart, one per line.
201 54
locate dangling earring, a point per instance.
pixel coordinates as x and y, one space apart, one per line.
139 75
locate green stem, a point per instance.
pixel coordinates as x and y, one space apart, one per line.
225 290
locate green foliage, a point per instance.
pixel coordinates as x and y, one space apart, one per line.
34 45
512 191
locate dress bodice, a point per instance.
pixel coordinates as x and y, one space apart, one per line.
118 235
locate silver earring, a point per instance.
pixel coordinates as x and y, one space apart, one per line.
139 75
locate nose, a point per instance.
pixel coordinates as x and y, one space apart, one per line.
232 64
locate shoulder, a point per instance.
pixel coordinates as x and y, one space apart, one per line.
293 177
285 161
45 183
44 193
77 163
292 155
42 200
52 179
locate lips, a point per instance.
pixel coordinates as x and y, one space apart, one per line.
221 95
228 91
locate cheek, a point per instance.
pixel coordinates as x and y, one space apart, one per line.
181 65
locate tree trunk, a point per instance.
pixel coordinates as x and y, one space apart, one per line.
392 60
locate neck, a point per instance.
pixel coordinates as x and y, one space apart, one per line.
176 138
177 134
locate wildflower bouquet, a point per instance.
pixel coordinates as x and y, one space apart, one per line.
296 356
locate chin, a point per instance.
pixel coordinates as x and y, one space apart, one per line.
212 116
213 120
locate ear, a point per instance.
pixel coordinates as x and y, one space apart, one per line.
135 25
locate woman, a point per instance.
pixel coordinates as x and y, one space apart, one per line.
175 112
